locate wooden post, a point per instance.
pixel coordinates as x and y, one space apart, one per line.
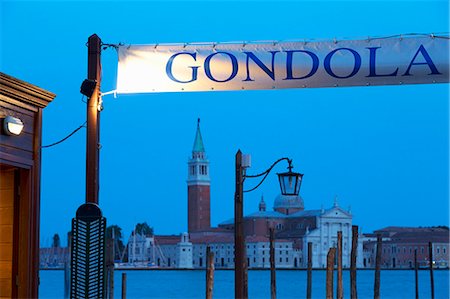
376 293
330 268
309 277
124 285
416 272
339 289
110 268
209 273
430 257
240 264
93 121
273 285
67 267
354 252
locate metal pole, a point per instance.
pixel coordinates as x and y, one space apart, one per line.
353 290
376 292
339 289
93 121
330 269
309 277
430 255
240 263
273 286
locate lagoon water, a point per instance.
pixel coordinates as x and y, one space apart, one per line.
397 284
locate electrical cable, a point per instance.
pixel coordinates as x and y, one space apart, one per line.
67 137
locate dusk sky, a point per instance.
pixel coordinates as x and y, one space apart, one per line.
381 150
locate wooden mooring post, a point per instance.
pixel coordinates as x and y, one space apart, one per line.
430 257
209 273
353 254
273 285
330 269
124 285
376 291
110 267
416 272
309 277
339 288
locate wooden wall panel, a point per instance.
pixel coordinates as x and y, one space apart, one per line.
6 231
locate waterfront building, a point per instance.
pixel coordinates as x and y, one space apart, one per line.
21 111
140 248
400 243
294 228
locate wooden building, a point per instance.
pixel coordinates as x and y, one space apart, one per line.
20 171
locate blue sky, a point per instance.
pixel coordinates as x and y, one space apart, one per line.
382 150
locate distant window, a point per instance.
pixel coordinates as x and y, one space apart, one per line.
263 260
281 259
444 249
421 250
437 250
184 249
287 260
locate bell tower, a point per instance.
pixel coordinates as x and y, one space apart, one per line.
198 187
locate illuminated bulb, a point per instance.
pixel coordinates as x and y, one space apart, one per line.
13 125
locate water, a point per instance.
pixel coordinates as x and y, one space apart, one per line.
397 284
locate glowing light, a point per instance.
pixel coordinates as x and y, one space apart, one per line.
13 125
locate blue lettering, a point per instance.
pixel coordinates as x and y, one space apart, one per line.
234 65
428 62
356 67
169 68
372 60
259 63
289 59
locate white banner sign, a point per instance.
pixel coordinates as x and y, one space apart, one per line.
200 67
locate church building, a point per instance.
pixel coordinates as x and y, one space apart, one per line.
294 228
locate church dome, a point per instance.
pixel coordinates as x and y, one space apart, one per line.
288 202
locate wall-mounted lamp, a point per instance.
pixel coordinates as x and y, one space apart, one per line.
12 125
87 87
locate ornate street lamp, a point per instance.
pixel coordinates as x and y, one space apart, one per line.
290 183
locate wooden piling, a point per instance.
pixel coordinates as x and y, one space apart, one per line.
330 269
124 285
273 286
309 277
110 268
354 252
416 272
339 289
209 273
240 255
430 257
376 292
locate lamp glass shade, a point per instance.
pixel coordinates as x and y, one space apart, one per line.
13 125
290 182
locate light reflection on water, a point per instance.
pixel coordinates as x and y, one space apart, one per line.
396 284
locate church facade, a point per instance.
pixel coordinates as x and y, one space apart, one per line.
294 228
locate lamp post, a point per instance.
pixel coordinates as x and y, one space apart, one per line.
290 183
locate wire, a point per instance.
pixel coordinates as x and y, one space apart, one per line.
65 138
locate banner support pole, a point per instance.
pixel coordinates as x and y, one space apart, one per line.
93 121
